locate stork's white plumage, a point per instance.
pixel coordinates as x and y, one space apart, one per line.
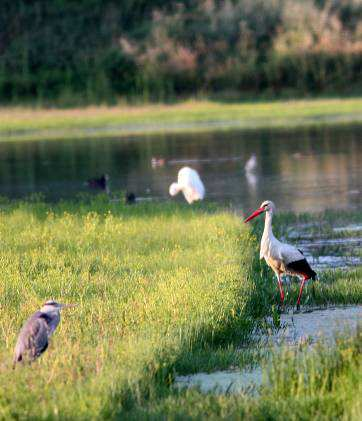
189 182
282 258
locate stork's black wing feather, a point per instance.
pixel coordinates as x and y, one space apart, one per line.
302 266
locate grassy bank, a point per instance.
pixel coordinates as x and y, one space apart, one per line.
153 285
305 384
26 123
160 289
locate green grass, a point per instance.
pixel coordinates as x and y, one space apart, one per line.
160 289
33 124
305 384
152 284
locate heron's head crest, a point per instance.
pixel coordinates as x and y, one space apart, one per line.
51 305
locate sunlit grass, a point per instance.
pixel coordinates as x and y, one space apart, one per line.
160 289
151 283
26 123
302 384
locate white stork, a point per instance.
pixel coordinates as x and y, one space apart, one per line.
189 182
282 258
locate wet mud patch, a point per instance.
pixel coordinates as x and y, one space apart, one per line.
308 326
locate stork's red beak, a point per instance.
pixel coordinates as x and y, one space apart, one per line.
254 214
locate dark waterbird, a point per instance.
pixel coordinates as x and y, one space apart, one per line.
130 198
100 183
282 258
34 336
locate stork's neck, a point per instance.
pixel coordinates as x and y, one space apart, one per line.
268 230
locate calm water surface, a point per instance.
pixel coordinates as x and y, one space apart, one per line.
305 170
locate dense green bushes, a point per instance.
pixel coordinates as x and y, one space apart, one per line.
90 51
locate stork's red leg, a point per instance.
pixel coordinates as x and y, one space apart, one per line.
281 289
305 278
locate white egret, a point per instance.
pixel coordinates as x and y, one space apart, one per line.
189 182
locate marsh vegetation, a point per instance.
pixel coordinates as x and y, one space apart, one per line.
162 289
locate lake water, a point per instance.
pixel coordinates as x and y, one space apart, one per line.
300 170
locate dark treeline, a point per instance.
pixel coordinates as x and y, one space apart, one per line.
84 51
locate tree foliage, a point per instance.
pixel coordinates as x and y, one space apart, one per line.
90 51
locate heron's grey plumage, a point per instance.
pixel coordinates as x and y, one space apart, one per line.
34 336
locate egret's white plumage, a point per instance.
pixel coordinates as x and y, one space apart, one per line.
282 258
251 164
189 182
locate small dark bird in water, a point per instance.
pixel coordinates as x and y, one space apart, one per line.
34 336
99 183
130 198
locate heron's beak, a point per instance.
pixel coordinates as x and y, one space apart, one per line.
254 214
68 305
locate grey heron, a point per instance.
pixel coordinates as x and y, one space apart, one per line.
34 336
